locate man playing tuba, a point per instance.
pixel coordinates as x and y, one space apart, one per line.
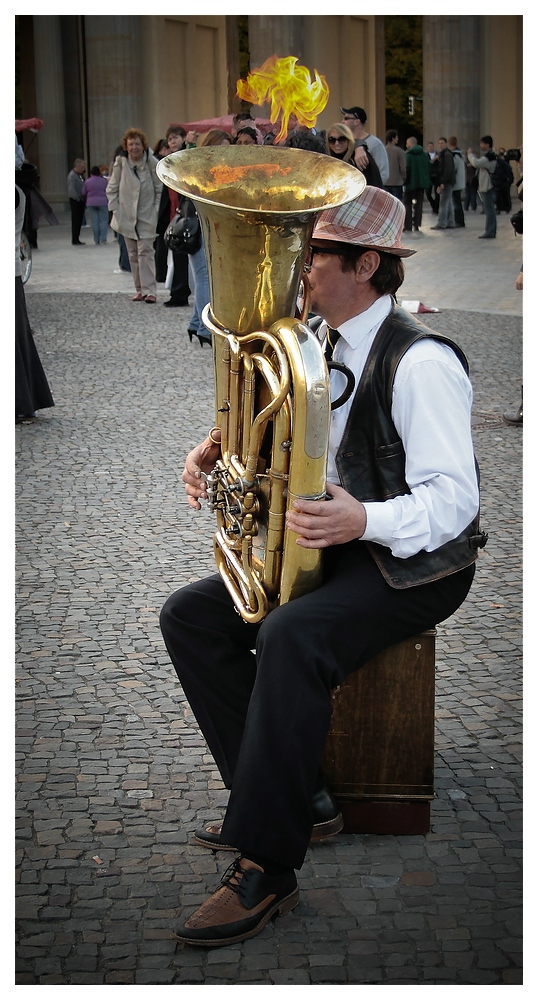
400 537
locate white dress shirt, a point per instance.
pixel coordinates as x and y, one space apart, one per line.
431 410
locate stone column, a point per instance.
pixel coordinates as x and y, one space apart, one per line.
502 91
274 35
114 76
232 63
451 78
53 165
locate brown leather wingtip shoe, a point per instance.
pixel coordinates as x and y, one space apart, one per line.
328 822
244 902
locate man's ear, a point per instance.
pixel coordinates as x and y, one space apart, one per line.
367 265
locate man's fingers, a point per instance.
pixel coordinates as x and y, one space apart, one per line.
196 490
312 543
309 532
191 473
307 528
317 508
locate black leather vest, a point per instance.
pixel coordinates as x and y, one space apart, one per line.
371 458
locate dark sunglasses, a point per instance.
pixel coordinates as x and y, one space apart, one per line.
337 138
335 251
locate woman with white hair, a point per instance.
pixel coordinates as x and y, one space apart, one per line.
134 194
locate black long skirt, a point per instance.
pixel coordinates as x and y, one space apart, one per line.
32 390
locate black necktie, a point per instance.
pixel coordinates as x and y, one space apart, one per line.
332 339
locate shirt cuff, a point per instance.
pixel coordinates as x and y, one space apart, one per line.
379 523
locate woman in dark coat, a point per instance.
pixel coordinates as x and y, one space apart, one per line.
31 387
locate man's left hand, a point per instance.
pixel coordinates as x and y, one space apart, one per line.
320 523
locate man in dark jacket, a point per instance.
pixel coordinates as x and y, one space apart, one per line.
502 180
77 201
416 182
170 201
459 181
397 165
445 187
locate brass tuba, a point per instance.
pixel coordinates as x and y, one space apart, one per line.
257 207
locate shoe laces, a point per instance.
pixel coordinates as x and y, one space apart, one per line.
233 871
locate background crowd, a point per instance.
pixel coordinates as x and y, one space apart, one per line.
128 196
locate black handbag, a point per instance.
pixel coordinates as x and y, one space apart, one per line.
184 234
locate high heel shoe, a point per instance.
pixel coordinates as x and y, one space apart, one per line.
203 340
192 333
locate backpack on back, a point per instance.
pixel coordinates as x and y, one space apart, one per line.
459 164
502 176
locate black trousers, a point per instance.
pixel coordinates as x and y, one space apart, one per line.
459 218
180 290
413 199
396 190
433 198
77 215
266 715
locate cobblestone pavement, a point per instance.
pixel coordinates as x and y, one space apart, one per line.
113 775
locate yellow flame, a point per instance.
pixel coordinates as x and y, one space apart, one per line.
289 89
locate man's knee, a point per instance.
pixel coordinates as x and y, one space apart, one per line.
169 614
174 606
289 630
190 604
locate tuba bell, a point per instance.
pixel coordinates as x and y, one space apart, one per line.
257 207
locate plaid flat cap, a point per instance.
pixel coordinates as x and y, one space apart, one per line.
373 220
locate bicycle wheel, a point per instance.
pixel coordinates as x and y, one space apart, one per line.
26 258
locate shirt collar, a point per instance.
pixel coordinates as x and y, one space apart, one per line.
354 330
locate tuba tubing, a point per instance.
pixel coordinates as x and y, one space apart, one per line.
257 208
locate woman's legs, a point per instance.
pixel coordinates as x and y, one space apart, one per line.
103 223
194 322
146 264
199 274
132 250
94 221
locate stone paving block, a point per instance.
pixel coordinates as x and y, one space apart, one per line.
328 974
289 977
